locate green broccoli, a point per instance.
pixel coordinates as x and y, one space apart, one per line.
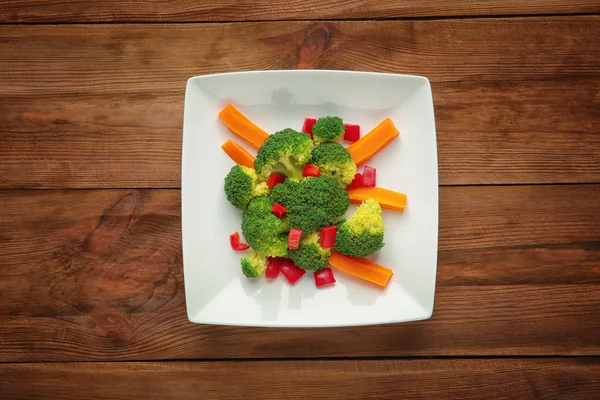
263 231
328 129
335 161
242 185
285 152
254 264
285 193
311 204
362 234
310 255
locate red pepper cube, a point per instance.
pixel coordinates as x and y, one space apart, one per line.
291 272
324 277
275 179
369 176
352 133
311 170
278 210
273 267
356 182
307 127
294 238
328 235
234 241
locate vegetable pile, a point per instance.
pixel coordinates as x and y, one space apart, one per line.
295 193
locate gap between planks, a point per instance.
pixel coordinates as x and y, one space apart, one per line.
451 185
323 358
420 18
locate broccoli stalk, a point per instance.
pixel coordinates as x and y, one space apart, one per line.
287 166
242 185
334 161
254 264
310 255
362 234
263 231
285 152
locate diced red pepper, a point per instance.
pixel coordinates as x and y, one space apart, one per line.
311 170
369 176
308 125
324 277
357 181
291 272
234 240
328 237
275 179
294 238
352 133
273 267
278 210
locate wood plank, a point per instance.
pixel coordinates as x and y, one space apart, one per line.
516 100
574 379
142 324
97 275
21 11
146 58
521 132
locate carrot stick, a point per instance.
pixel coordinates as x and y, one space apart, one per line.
237 122
238 154
388 199
361 268
372 142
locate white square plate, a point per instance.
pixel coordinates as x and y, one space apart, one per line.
216 291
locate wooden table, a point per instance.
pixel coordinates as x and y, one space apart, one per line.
91 282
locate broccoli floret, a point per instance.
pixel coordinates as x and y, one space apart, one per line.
310 255
335 161
285 152
263 231
254 264
313 203
285 193
328 129
362 234
242 185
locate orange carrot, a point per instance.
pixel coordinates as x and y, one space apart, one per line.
388 199
238 154
372 142
361 268
237 122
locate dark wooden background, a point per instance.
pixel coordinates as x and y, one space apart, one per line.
91 282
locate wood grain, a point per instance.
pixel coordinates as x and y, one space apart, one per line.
517 320
97 275
108 110
31 11
574 379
